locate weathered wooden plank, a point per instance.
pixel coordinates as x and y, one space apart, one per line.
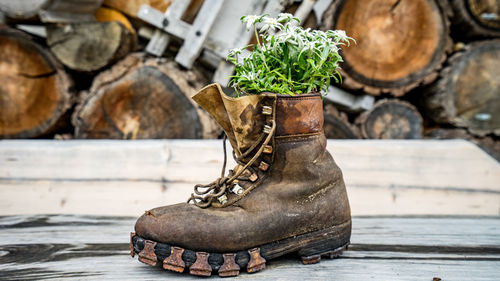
439 231
198 32
348 101
383 248
445 164
118 197
160 40
122 267
125 178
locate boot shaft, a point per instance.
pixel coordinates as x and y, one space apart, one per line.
243 119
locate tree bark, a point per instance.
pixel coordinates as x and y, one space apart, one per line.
34 89
141 98
400 43
467 93
476 19
89 47
337 126
391 119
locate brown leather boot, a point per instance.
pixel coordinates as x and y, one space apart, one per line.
285 195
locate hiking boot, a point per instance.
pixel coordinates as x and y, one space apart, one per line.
286 194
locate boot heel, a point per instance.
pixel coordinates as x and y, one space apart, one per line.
330 242
332 254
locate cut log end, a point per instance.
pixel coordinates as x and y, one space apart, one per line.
475 19
34 90
400 44
140 98
467 94
391 119
89 46
337 126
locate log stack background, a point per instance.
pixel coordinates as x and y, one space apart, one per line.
433 67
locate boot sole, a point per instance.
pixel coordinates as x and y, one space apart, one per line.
329 242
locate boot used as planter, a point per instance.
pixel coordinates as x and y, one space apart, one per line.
285 195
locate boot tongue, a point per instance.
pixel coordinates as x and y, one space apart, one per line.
210 99
241 118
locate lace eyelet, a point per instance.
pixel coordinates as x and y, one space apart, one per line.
263 166
222 199
237 189
253 177
268 149
267 110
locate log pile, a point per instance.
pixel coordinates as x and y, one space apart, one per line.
35 91
429 67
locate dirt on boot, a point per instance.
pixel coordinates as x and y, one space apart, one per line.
285 195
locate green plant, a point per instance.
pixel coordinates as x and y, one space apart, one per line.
287 59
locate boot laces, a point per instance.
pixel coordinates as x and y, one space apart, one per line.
205 194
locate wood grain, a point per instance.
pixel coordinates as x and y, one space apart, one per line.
89 46
391 119
383 248
400 43
35 91
143 98
467 92
475 19
125 178
337 126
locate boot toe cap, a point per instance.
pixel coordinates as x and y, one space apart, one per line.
188 226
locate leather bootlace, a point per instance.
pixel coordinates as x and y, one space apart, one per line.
205 194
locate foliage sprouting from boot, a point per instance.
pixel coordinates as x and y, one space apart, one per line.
287 59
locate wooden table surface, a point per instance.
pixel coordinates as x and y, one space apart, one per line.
124 178
405 196
52 247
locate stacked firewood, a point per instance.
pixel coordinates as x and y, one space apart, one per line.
428 68
432 66
76 69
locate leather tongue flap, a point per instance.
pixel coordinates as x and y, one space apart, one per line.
210 99
247 120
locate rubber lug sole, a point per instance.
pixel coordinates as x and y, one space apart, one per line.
311 247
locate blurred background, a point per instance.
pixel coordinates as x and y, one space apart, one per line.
112 69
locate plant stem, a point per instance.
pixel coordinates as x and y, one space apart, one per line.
256 34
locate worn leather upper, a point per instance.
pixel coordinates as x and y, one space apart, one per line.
302 191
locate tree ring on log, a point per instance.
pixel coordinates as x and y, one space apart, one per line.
474 19
391 119
138 98
467 93
34 89
400 44
485 12
89 46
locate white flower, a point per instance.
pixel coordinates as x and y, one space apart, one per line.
270 24
286 17
251 20
310 45
290 34
339 36
236 51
